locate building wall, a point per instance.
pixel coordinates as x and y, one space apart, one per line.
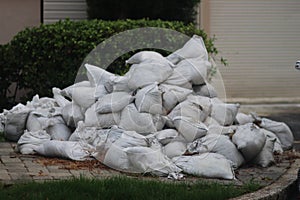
261 41
15 15
55 10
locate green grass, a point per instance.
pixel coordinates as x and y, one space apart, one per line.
123 188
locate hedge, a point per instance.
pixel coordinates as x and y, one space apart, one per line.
47 56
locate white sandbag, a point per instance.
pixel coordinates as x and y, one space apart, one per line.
72 114
166 136
174 149
250 140
116 156
113 102
29 141
159 121
132 120
193 48
38 120
92 118
100 91
172 95
242 118
60 100
149 99
224 113
149 160
221 130
94 136
118 84
220 144
43 102
271 136
67 92
265 158
210 165
83 96
190 129
281 130
57 128
143 74
148 56
206 90
190 110
97 75
65 149
204 102
15 121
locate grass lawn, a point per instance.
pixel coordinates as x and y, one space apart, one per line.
123 188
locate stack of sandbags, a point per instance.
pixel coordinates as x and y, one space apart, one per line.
161 117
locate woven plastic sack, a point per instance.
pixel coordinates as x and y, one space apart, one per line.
113 102
265 158
220 144
250 140
210 165
149 99
166 136
29 141
97 75
148 56
206 90
72 114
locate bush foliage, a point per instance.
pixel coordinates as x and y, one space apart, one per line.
47 56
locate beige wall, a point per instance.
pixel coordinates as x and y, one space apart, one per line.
15 15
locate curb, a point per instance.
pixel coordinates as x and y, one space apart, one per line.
278 190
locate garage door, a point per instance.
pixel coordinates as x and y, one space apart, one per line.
55 10
261 41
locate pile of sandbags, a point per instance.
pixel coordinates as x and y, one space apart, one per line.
161 117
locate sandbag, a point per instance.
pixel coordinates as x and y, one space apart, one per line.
148 56
116 156
174 149
94 136
250 140
132 120
190 129
166 136
193 48
29 141
92 118
242 118
15 121
172 95
149 160
144 74
43 102
220 144
265 158
159 121
281 130
149 99
210 165
117 84
113 102
60 100
57 129
100 91
206 90
189 109
271 136
97 75
65 149
83 96
224 113
215 128
72 114
204 102
67 92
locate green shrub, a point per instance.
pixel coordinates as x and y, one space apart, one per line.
171 10
47 56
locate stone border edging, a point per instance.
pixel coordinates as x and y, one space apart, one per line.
277 190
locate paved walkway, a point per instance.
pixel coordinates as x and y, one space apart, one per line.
15 167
